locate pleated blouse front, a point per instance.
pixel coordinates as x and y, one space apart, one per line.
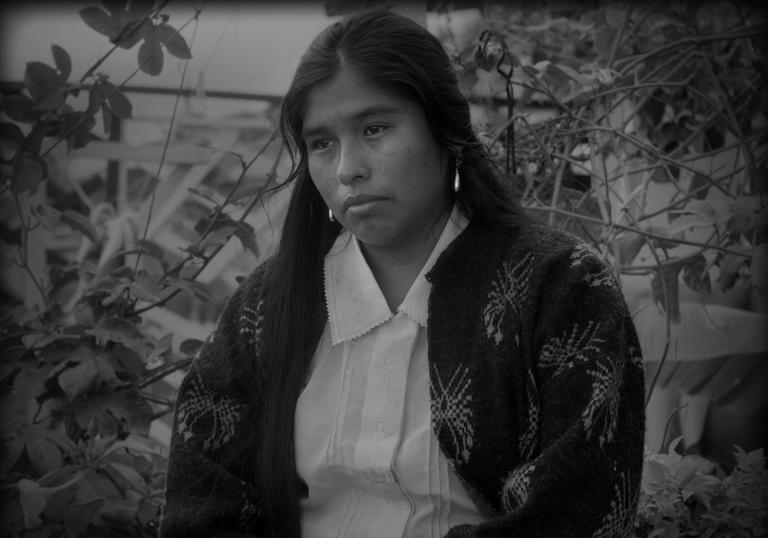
363 436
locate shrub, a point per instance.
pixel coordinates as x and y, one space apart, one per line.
688 495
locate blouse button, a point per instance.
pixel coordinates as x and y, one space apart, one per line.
380 427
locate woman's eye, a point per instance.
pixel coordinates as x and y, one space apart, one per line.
371 130
319 144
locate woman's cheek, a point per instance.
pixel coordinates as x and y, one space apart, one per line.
323 183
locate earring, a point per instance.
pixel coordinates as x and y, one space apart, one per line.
456 179
330 215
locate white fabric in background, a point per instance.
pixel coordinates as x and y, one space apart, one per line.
364 442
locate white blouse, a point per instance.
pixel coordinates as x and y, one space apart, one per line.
363 436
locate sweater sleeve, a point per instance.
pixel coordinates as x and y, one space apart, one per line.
586 412
209 491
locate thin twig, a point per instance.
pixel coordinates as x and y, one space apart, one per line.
617 38
646 233
738 33
167 142
218 248
161 371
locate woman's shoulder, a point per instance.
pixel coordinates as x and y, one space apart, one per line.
229 349
252 285
528 237
546 253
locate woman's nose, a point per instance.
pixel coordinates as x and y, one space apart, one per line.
351 166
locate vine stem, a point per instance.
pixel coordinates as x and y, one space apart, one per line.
237 184
271 176
747 31
24 263
618 38
558 184
175 269
91 70
162 371
645 233
667 319
127 32
165 146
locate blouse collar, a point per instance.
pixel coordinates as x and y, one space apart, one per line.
353 298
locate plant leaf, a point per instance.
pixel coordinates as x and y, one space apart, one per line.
151 249
151 54
32 502
127 477
100 21
119 512
140 8
131 34
174 41
79 379
701 207
58 500
11 135
43 454
114 6
198 289
666 289
80 223
20 108
627 246
696 275
28 171
79 515
114 329
11 452
78 125
136 411
45 86
118 102
730 266
145 288
686 222
147 512
63 62
96 96
191 346
30 382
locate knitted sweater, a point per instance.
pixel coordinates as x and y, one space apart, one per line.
536 386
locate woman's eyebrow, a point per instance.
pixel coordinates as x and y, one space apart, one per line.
310 130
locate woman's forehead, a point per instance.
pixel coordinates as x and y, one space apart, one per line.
347 97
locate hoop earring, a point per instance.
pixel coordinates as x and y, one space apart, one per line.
330 215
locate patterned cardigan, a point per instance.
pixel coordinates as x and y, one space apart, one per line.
536 385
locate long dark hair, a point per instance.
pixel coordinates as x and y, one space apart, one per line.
394 54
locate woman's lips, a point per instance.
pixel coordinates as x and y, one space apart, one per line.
357 203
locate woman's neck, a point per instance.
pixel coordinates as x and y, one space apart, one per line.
395 268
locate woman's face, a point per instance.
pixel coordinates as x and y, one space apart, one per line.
375 162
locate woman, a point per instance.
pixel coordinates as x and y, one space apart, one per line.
417 359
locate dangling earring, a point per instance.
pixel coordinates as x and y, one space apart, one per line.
456 178
330 215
